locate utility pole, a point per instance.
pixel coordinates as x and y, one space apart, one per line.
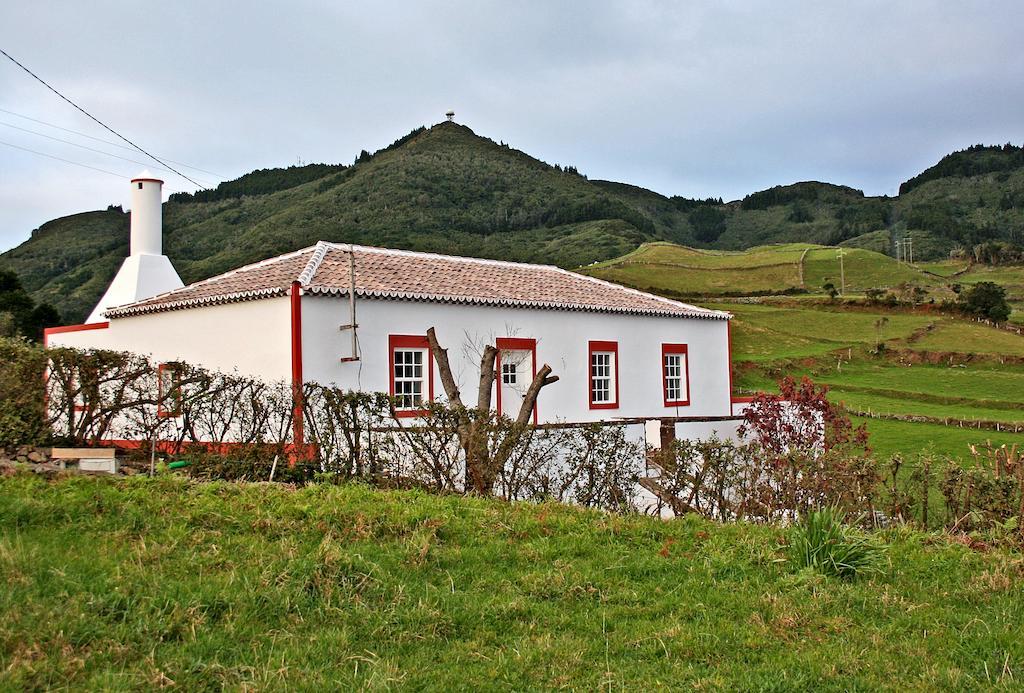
899 247
910 245
842 272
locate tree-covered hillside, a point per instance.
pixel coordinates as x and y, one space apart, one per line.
441 189
449 190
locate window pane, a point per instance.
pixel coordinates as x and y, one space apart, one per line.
601 372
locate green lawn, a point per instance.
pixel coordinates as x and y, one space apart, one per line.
137 583
677 269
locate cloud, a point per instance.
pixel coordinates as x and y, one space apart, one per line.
704 98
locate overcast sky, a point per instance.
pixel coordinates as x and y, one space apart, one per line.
696 98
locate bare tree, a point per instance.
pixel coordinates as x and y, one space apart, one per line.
484 462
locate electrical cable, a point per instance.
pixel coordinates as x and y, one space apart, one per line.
97 120
100 139
82 146
68 161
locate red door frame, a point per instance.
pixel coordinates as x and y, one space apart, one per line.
515 344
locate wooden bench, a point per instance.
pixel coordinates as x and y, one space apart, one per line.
87 459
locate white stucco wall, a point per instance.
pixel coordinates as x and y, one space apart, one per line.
255 338
252 336
562 342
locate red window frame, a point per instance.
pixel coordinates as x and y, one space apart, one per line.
514 344
406 341
683 349
160 370
596 346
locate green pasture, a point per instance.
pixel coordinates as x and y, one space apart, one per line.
961 336
864 269
911 440
674 269
764 332
139 584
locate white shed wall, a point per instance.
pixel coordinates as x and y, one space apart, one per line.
562 342
252 336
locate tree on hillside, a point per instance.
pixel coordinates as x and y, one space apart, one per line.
19 314
986 300
708 223
799 213
483 463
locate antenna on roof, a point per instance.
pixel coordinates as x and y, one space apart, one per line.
352 325
450 115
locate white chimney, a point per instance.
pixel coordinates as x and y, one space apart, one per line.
146 271
147 215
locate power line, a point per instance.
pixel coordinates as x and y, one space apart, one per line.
100 139
66 161
96 120
73 163
82 146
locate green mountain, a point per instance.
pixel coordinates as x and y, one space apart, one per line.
446 189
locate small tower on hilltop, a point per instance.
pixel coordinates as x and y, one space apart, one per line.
450 115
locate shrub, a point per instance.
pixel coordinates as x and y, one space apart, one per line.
824 542
22 412
986 300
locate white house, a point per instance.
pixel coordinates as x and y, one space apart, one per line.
358 317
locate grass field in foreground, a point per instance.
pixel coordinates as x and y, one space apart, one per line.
137 583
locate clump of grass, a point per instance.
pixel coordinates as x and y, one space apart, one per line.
823 541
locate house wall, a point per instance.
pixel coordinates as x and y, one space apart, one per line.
252 336
562 342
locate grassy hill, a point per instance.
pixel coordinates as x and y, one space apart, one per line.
138 583
446 189
670 269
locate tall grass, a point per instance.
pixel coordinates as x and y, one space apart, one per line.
128 584
823 541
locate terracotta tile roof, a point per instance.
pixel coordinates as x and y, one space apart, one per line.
404 275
